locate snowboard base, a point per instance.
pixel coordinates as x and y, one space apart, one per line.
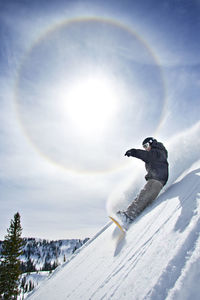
117 224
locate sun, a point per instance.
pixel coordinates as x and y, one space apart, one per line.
91 105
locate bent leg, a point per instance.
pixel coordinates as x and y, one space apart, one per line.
147 195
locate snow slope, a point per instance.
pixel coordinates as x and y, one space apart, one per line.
158 259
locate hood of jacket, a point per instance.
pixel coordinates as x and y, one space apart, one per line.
159 146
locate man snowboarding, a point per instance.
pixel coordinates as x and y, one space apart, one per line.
155 157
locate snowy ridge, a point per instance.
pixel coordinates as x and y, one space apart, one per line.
41 254
158 258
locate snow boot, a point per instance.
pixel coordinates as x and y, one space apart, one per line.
124 219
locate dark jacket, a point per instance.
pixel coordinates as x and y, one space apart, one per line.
155 161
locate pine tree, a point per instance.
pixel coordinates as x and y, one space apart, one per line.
10 263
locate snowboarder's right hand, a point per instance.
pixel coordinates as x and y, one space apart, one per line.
128 153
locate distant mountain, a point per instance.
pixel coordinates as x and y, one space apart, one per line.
41 254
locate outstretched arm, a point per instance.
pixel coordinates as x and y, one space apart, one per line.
144 155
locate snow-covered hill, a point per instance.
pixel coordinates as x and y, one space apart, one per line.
159 258
44 254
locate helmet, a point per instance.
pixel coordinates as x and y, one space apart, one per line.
148 140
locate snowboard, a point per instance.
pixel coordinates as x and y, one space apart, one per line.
123 230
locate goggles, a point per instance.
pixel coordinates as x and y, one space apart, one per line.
145 146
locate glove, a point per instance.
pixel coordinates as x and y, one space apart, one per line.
131 152
128 153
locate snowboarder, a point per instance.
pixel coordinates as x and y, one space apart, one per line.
155 157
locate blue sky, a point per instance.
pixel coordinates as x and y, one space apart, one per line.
81 82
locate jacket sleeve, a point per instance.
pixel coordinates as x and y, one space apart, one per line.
144 155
